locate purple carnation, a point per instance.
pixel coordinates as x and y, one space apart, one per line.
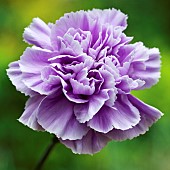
79 75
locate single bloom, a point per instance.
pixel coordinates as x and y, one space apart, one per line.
79 75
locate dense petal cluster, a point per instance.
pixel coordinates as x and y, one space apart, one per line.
79 74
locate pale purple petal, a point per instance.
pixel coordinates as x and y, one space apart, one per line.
67 45
32 64
80 88
34 60
125 84
36 83
149 115
141 63
88 21
111 16
77 20
50 76
70 96
29 117
92 143
95 78
103 121
79 66
38 34
15 75
151 73
112 93
123 115
56 116
109 80
84 112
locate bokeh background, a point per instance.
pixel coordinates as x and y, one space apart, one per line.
21 147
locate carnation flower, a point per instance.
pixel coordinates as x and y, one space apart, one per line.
79 74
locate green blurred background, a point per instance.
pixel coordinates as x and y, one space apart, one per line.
21 147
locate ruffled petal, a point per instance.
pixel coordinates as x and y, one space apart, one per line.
111 16
67 45
32 64
85 111
126 84
139 62
29 117
56 116
15 75
151 73
80 88
92 143
89 21
103 120
123 115
37 83
76 20
109 80
69 94
149 115
38 34
34 60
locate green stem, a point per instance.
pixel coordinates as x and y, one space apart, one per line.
47 152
